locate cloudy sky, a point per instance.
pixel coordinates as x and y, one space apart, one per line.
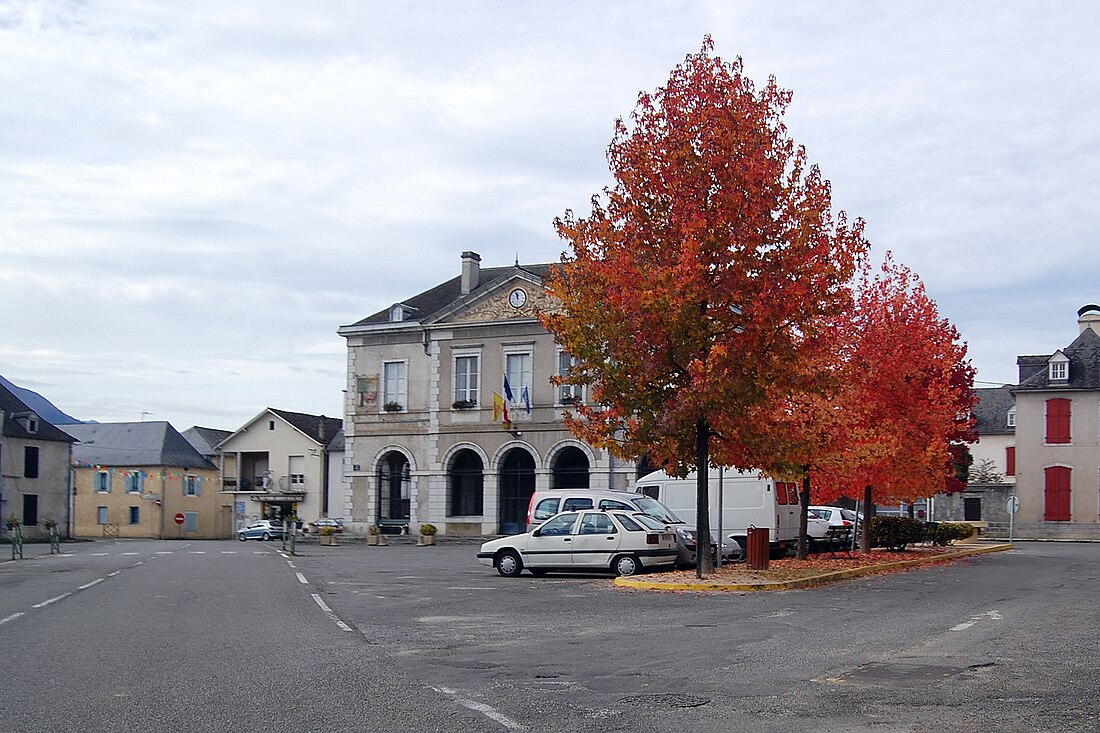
195 196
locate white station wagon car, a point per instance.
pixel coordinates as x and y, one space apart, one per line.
620 542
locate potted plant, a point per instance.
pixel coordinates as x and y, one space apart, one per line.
374 535
392 407
464 404
328 535
427 534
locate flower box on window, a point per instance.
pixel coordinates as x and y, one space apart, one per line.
392 407
464 404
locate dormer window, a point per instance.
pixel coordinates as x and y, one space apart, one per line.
1059 368
400 312
1011 421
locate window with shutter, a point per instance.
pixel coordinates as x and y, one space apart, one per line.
1010 460
1058 420
1057 493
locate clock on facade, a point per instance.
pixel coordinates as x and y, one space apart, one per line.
517 298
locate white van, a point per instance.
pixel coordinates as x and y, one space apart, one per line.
749 499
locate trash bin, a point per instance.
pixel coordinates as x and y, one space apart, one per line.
759 549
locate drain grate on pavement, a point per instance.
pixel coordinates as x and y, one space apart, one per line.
665 700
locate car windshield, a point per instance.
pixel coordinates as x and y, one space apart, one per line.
656 509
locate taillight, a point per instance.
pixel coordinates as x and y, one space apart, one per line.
847 523
530 508
653 539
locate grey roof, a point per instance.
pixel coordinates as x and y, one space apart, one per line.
337 443
204 439
1084 366
134 444
443 297
13 407
318 427
991 410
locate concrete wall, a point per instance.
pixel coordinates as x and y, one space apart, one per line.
163 496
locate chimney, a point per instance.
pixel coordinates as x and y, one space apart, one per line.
471 271
1088 316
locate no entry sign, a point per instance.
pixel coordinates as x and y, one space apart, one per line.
179 518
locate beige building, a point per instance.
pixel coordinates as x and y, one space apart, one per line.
34 470
422 441
1058 437
278 465
144 480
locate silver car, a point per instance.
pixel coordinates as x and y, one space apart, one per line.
263 530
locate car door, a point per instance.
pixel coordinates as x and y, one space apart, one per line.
596 540
550 546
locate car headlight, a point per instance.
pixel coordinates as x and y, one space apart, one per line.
686 535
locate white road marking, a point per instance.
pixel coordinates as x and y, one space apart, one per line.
479 707
86 586
324 607
302 579
198 552
988 615
111 575
164 552
288 562
229 552
10 618
55 599
100 554
129 553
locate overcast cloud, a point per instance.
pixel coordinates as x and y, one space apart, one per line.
196 195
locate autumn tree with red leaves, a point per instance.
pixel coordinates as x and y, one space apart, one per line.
712 265
908 395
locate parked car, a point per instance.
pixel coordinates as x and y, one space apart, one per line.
264 530
544 504
841 524
337 525
617 541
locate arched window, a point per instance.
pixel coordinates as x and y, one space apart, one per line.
570 469
465 485
394 481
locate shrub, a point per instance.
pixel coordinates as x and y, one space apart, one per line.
944 533
428 529
374 529
895 533
327 531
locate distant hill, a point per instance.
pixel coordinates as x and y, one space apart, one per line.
45 409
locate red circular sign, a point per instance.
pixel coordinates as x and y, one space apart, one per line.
179 518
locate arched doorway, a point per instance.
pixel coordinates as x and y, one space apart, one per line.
570 469
465 484
394 481
517 484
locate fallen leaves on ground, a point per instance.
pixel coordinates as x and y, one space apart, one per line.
792 568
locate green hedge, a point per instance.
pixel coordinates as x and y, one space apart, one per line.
896 533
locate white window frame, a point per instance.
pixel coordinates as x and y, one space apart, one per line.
1059 371
471 390
1011 420
567 393
525 376
398 391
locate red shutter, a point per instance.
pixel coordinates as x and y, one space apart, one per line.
1010 460
1057 493
1058 414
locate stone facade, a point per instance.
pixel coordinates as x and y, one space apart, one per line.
423 441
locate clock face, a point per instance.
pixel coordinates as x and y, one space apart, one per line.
517 298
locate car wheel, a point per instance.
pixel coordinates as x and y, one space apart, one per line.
626 565
508 563
241 537
266 536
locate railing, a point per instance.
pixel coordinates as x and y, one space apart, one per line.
110 530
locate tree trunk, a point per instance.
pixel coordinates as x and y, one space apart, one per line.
704 563
868 510
804 517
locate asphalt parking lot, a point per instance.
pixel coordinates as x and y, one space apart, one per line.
881 653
